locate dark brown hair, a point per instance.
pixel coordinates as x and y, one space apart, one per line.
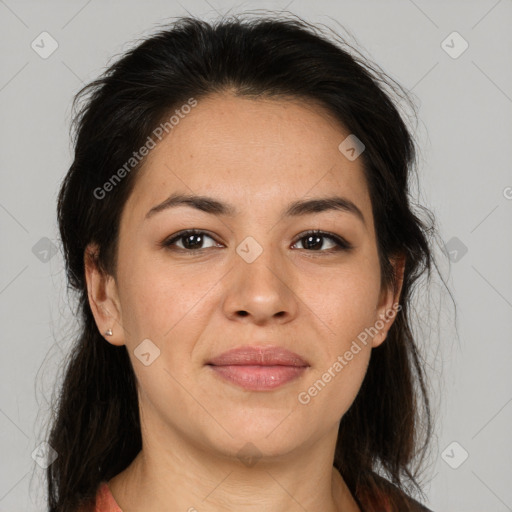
96 427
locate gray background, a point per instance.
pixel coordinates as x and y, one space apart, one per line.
465 107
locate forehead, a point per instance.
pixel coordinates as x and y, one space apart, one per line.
257 152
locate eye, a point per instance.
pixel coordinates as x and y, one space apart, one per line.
193 240
312 240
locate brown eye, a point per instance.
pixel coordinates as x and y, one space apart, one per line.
314 241
192 240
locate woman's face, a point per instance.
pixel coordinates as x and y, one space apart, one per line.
253 278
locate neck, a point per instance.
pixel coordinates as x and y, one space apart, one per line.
192 479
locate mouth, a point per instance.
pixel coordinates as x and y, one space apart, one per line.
259 368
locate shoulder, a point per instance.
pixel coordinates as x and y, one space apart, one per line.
416 506
389 503
389 498
105 501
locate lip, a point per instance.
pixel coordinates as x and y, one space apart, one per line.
259 368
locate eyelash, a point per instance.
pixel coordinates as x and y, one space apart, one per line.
342 244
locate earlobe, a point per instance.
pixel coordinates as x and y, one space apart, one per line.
103 298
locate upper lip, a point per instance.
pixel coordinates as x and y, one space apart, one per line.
258 356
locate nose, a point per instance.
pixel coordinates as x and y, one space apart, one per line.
261 291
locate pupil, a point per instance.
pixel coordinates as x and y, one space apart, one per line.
317 240
189 238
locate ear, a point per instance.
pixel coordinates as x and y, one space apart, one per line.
389 307
103 297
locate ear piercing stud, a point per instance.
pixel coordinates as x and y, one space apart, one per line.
108 333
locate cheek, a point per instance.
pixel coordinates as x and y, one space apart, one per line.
330 392
348 305
162 302
348 301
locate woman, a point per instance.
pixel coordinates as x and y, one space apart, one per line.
237 225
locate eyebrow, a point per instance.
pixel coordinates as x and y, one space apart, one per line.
294 209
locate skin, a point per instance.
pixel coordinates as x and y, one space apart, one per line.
258 155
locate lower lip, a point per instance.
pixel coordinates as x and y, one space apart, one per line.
259 378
